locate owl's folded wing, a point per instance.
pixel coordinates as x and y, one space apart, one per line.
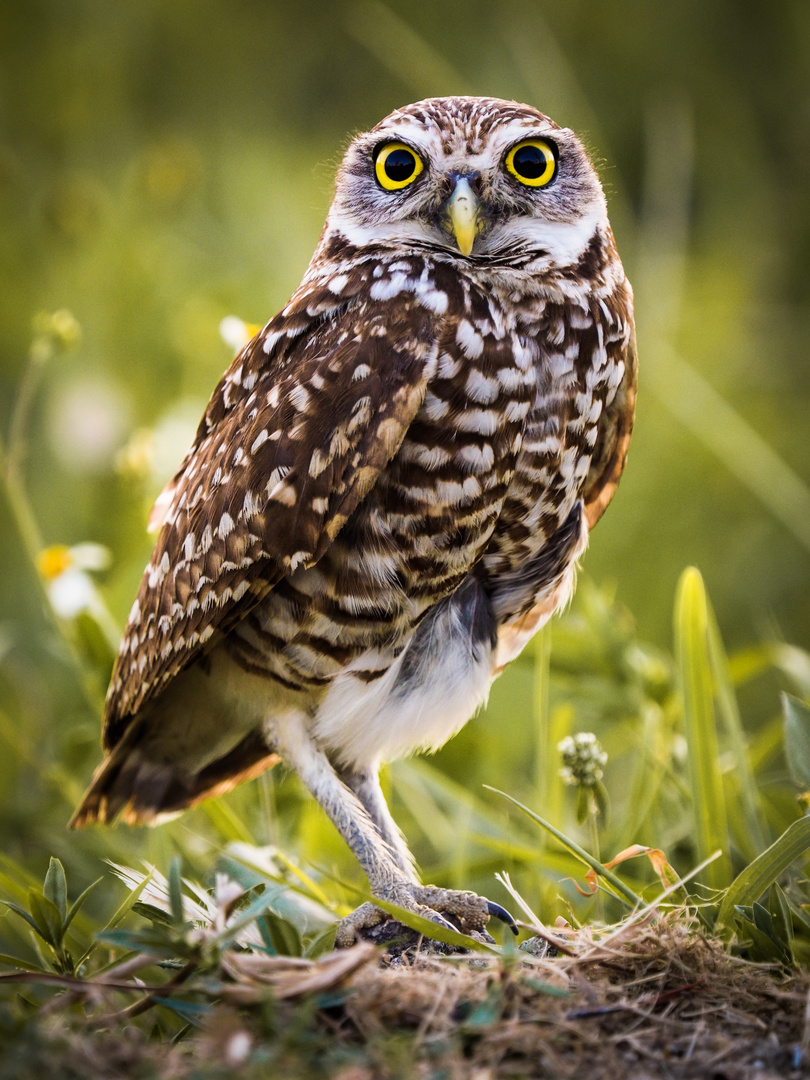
613 438
295 436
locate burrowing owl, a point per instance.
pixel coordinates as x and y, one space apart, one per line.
390 488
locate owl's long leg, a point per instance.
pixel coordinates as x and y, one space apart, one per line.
365 784
386 878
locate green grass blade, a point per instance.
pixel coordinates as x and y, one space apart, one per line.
55 887
76 906
763 871
15 961
624 893
695 676
797 739
548 785
753 835
121 911
227 822
176 891
432 930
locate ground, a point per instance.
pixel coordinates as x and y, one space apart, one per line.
658 1000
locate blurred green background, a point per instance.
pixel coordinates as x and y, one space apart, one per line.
167 163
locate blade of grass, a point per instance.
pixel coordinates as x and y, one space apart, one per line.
131 898
763 871
432 930
695 677
227 822
753 836
623 892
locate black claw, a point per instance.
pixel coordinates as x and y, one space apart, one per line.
502 914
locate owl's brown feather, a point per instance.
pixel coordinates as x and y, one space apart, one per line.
390 488
294 437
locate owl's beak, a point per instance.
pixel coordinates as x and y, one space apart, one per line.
463 214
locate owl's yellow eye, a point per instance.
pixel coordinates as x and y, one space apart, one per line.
397 166
533 162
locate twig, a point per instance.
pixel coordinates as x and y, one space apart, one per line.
142 1006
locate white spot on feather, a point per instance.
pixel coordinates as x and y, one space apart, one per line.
257 442
469 339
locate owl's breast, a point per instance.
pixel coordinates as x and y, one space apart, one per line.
421 529
542 530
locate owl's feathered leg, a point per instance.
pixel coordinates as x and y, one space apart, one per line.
379 859
365 784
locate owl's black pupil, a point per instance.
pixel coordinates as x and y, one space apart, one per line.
529 161
399 165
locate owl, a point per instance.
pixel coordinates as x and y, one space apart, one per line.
389 490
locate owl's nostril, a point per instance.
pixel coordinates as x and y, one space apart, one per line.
473 178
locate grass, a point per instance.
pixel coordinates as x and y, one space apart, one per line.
241 972
676 891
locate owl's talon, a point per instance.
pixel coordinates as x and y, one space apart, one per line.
501 913
460 911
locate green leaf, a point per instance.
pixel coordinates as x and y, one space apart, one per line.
432 930
602 800
284 938
753 836
192 1012
762 919
153 914
489 1011
780 914
47 916
22 913
76 906
322 943
583 807
56 886
622 891
140 941
227 822
797 739
260 906
118 915
763 871
695 677
176 891
761 947
15 961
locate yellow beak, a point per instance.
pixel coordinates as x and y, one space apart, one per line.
462 210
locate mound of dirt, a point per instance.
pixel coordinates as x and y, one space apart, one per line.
636 1002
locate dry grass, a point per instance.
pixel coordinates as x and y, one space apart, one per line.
656 1001
653 1001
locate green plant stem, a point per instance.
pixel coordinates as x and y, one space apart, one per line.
38 356
624 892
22 516
145 1003
593 836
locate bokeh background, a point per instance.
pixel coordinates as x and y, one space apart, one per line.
167 163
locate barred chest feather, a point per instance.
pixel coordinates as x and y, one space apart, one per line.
486 479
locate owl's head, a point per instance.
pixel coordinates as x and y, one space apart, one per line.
479 179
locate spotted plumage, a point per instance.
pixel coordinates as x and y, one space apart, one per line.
390 488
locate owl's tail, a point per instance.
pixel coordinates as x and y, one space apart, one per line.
132 787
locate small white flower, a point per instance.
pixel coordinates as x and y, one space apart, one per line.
583 759
65 571
235 332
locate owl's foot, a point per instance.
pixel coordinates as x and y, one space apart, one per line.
465 911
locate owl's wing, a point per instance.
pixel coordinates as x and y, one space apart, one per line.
294 437
613 437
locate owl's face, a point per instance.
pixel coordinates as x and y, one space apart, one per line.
479 179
